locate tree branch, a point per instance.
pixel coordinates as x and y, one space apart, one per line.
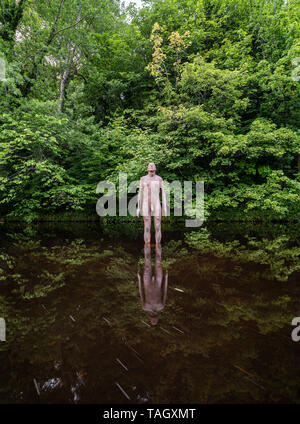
52 35
70 26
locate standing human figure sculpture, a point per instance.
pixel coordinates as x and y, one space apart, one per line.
153 287
149 202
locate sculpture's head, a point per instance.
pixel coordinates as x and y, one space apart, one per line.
153 318
151 168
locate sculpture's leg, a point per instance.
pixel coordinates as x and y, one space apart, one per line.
157 224
158 265
147 230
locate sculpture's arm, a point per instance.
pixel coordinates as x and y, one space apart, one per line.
141 289
165 288
140 197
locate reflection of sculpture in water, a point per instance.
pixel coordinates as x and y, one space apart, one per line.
150 186
153 290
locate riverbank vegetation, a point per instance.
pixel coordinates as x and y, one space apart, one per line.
208 90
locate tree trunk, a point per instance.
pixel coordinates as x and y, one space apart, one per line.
65 79
66 73
27 86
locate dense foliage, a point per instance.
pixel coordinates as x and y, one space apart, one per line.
207 89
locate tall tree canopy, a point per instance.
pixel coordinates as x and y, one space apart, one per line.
208 90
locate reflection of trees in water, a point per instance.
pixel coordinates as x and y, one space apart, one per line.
280 255
73 310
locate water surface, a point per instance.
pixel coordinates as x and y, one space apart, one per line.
93 317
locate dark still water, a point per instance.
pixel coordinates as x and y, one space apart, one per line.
93 317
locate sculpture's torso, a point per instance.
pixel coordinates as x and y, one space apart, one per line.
151 199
